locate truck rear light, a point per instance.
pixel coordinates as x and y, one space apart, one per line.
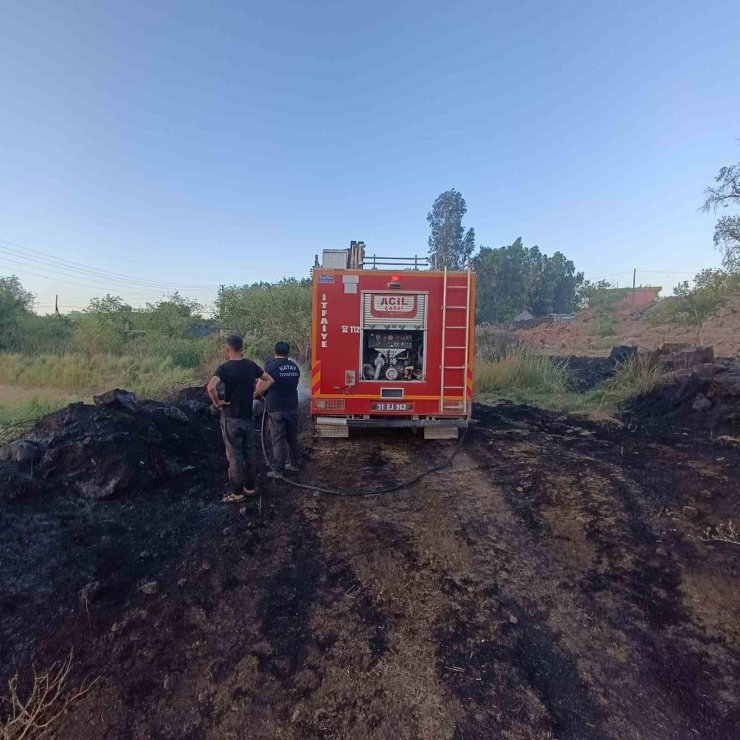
329 404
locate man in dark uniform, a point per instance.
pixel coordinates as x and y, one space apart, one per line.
239 376
282 408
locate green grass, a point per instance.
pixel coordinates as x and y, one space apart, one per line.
32 409
524 377
521 375
143 375
15 419
605 326
633 378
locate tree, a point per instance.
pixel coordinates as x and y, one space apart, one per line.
726 193
514 277
504 281
171 316
556 283
15 303
105 325
267 312
601 297
450 245
693 305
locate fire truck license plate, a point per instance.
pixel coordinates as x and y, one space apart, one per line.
396 406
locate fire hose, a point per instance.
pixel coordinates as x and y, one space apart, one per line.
338 492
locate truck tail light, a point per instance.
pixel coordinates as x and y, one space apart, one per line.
329 404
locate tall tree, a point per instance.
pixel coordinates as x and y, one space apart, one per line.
504 279
724 194
15 303
556 290
450 245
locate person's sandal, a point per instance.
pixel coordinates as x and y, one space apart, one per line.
233 498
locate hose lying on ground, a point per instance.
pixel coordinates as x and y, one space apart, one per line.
338 492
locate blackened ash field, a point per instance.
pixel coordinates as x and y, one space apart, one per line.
552 582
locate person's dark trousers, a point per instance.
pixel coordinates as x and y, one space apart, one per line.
239 440
284 436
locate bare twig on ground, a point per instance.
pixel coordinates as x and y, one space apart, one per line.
722 533
49 698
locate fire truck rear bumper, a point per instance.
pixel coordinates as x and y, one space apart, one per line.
385 421
339 426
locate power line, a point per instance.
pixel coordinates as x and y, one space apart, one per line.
136 291
38 256
56 271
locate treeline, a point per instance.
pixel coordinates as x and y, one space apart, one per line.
175 327
515 277
264 313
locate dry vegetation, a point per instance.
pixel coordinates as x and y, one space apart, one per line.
722 532
48 698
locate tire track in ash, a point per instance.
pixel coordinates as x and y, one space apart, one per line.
449 631
589 520
496 650
391 549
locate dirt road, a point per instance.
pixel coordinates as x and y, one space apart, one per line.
545 585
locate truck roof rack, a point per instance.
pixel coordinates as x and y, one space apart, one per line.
355 258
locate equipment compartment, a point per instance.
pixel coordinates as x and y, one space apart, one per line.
392 355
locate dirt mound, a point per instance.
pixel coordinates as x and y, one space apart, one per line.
98 495
704 397
115 446
585 335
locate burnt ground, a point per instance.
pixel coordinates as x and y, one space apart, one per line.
585 373
547 584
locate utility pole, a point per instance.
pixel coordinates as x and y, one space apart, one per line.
56 305
634 279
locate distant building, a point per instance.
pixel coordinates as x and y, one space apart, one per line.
640 297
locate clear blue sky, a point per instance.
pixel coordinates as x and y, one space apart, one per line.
199 143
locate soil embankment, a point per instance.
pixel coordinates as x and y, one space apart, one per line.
585 335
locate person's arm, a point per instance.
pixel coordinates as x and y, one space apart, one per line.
212 390
263 385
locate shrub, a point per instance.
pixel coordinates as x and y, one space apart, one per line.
520 372
604 327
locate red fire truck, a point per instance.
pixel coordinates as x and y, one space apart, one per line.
392 344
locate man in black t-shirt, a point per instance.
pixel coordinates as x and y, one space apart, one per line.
239 377
282 408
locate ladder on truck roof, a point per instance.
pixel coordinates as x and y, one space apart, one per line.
454 333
